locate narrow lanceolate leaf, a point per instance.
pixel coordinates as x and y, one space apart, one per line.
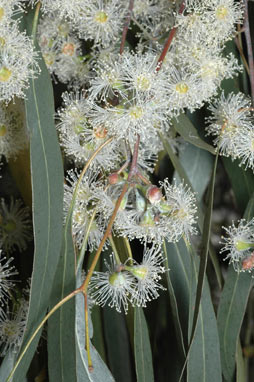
204 353
142 348
242 182
185 128
7 365
204 252
47 193
100 371
205 349
118 345
61 326
175 312
198 164
230 316
231 311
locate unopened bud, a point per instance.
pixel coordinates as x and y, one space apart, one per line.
154 194
248 263
113 178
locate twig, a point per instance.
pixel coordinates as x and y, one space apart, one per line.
126 25
249 48
238 42
169 40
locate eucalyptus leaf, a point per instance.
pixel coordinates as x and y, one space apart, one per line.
143 353
204 353
61 326
47 193
186 129
242 182
100 370
198 164
231 310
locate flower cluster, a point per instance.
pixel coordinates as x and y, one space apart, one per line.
17 55
129 283
239 244
232 125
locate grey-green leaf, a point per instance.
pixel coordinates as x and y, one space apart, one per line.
231 310
142 348
198 164
100 371
47 190
186 129
204 353
61 326
230 316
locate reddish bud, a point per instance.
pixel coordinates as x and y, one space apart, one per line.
154 194
248 263
113 178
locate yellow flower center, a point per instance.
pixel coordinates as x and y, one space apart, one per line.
101 17
140 272
49 59
5 74
143 82
182 88
117 279
10 226
1 13
221 12
136 112
2 41
3 130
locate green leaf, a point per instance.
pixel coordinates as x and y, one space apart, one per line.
174 310
142 348
242 182
186 129
230 316
204 252
204 353
61 326
240 365
47 191
100 372
198 164
117 345
231 311
7 365
204 359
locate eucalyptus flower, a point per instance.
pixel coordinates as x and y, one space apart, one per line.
239 245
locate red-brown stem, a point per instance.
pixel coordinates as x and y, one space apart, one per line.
83 287
249 48
169 40
126 25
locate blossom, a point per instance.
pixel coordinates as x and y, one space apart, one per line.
80 137
12 327
13 136
113 287
103 21
17 62
82 216
61 49
139 217
147 274
239 244
15 225
230 120
6 282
